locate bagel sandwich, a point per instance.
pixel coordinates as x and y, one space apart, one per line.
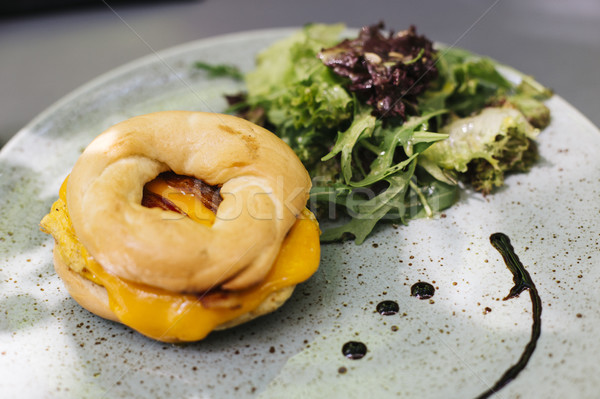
179 223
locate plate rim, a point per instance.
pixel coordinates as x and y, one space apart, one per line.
181 50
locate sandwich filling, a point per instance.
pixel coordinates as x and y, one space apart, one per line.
174 316
185 195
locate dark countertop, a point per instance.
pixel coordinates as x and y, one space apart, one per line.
45 56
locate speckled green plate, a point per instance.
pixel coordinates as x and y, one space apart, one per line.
449 348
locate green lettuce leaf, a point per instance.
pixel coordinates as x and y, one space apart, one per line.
466 83
498 136
290 60
304 101
534 110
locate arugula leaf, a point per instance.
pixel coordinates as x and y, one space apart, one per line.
362 126
404 136
367 212
222 70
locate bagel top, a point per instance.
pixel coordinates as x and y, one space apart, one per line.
263 186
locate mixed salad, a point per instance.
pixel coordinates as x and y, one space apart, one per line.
388 126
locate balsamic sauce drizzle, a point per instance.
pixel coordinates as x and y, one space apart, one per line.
523 282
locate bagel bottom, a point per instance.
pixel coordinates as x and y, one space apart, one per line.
88 294
171 316
94 298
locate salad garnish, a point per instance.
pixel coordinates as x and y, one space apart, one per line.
389 126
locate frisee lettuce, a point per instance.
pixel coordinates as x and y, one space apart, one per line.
497 137
372 160
303 100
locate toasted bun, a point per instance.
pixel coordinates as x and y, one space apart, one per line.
264 187
94 297
88 294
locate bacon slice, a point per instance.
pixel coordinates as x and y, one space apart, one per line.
209 195
152 200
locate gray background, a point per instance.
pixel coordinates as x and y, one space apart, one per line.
45 56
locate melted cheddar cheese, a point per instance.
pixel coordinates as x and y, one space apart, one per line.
191 206
173 317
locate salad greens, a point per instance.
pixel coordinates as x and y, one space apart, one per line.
388 127
305 101
484 145
387 73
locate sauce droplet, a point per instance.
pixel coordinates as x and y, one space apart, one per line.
388 308
354 350
422 290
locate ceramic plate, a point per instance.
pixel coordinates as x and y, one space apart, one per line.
454 346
